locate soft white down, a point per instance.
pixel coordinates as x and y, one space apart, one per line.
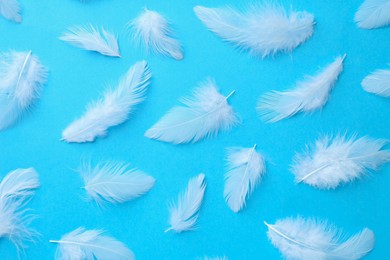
378 83
373 14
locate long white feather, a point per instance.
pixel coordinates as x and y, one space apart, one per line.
308 95
184 215
245 169
373 14
378 83
205 114
10 9
153 31
21 79
337 160
307 239
82 244
262 30
91 39
114 182
113 108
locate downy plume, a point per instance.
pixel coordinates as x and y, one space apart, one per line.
184 215
112 109
378 83
91 39
151 30
21 79
204 114
90 245
262 30
373 14
245 169
308 95
10 10
298 238
338 160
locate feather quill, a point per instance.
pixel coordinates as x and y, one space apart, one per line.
152 30
245 169
113 109
373 14
91 39
10 10
82 244
262 30
184 215
298 238
337 160
378 83
309 95
21 79
205 114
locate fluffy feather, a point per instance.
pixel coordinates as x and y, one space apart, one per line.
337 160
114 182
82 244
91 39
205 114
184 215
113 109
378 83
309 95
308 239
152 30
262 30
10 9
21 79
245 169
373 14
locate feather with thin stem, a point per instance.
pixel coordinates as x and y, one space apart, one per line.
373 14
378 83
10 10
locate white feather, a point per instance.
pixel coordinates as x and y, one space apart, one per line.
262 30
10 9
114 182
337 160
91 39
378 83
205 114
113 108
245 169
184 215
82 244
21 79
308 239
152 30
373 14
308 95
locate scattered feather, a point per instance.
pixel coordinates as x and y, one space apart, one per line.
10 10
378 83
373 14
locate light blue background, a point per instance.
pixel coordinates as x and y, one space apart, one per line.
78 77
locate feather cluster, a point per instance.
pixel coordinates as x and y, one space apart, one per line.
378 83
373 14
10 9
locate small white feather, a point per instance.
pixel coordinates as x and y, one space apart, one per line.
184 215
91 39
82 244
262 30
307 239
245 169
113 109
21 79
373 14
10 9
153 31
337 160
205 114
378 83
308 95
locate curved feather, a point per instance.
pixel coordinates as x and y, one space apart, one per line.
262 30
205 114
82 244
113 109
373 14
378 83
245 169
298 238
309 95
10 9
21 79
91 39
184 215
337 160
